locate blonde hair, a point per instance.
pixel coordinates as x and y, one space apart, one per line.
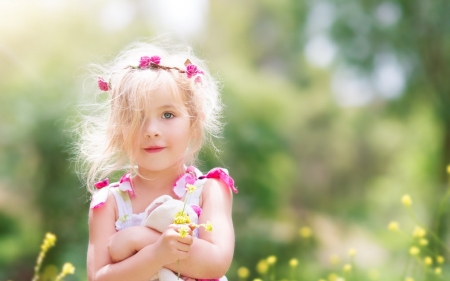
101 148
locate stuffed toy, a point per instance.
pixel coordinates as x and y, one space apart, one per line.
161 213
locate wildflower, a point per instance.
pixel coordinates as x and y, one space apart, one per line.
243 272
208 226
305 232
181 218
428 260
409 279
448 169
257 279
347 267
184 231
423 242
271 260
440 259
49 241
102 84
334 259
393 226
406 200
68 268
352 252
438 271
190 188
293 262
146 61
414 251
262 267
192 70
419 232
332 277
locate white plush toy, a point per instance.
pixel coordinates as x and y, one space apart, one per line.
161 213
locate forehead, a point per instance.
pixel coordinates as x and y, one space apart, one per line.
151 86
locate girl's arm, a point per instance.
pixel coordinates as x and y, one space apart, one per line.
168 248
211 255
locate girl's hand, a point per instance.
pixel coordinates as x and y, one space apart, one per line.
171 247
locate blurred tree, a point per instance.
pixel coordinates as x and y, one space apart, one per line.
417 34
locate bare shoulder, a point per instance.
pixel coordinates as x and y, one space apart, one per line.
215 188
106 212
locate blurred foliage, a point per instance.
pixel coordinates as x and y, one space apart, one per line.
298 158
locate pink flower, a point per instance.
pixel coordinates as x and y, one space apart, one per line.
102 84
102 183
192 70
147 61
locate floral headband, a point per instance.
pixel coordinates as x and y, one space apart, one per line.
153 62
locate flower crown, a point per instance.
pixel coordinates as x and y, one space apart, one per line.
153 62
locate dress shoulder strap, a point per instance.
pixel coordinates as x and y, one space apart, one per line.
123 202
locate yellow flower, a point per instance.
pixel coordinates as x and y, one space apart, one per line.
448 169
406 200
190 188
414 251
393 226
428 261
181 218
332 277
262 267
409 279
293 262
334 259
257 279
271 260
423 242
305 232
208 226
438 271
184 231
49 241
68 268
352 252
440 259
419 232
347 267
243 272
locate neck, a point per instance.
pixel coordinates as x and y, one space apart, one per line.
158 179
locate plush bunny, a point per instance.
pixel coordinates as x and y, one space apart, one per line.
158 215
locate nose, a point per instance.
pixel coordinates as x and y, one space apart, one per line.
151 129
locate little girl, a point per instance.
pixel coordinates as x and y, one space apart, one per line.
158 109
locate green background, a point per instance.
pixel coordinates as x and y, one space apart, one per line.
300 154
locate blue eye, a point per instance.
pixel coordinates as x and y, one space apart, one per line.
167 115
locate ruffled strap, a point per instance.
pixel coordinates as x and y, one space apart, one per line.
221 174
99 197
193 176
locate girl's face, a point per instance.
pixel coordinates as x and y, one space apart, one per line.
164 135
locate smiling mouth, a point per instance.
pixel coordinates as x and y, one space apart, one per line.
154 149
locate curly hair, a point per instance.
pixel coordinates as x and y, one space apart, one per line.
101 148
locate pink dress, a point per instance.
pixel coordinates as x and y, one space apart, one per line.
123 190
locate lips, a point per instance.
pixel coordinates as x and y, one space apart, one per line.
154 149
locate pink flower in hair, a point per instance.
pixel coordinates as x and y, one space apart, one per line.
192 70
102 84
146 61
